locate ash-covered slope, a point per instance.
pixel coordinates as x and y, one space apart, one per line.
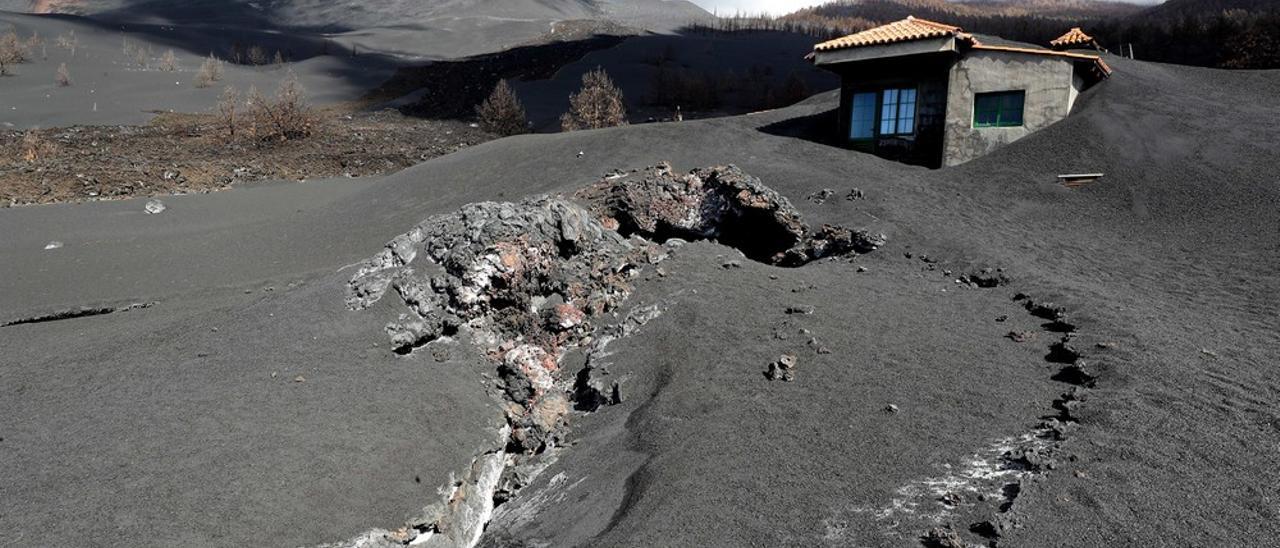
449 28
923 395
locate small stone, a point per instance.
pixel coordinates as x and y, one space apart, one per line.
155 207
862 269
299 378
1002 318
800 309
1107 345
1021 336
949 499
53 245
731 264
891 408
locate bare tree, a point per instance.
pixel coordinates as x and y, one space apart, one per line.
598 104
502 112
210 72
63 78
257 55
227 114
168 61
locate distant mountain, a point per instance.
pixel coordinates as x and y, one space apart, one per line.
1173 10
891 10
348 14
414 28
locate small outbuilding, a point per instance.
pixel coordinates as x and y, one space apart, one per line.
930 94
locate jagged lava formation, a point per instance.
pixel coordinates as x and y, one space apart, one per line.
527 281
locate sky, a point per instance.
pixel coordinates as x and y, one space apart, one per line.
780 7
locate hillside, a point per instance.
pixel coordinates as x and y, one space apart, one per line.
454 28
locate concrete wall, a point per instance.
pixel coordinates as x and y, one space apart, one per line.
1050 86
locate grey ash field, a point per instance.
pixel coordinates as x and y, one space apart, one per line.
1017 363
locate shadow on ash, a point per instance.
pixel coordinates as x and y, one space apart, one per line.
527 282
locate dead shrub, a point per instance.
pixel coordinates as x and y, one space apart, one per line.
35 147
599 104
12 51
502 112
257 55
63 77
284 117
168 61
228 103
68 42
210 72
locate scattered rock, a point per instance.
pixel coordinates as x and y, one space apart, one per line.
855 194
862 269
986 278
1022 336
783 369
731 264
942 537
299 378
891 408
803 309
820 196
53 245
154 207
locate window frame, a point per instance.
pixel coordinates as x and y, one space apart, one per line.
1003 111
897 118
874 119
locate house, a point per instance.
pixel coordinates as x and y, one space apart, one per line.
930 94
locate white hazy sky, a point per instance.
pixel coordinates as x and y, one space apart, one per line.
779 7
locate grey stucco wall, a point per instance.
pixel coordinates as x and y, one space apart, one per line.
1050 91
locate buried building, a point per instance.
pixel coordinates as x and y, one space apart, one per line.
930 94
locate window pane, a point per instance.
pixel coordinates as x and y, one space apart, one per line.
863 119
999 109
906 117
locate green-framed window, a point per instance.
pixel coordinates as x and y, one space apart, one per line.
999 109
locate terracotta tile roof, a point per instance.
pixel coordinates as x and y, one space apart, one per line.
898 31
1073 37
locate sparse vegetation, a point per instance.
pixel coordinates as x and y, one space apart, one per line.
68 42
287 116
35 147
228 102
502 112
210 72
12 51
168 61
256 55
599 104
63 77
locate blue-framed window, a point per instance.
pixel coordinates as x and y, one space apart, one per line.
898 111
863 123
999 109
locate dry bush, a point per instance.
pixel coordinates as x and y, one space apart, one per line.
63 77
68 42
168 61
285 117
502 112
278 59
35 147
210 72
11 52
257 55
598 104
228 103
